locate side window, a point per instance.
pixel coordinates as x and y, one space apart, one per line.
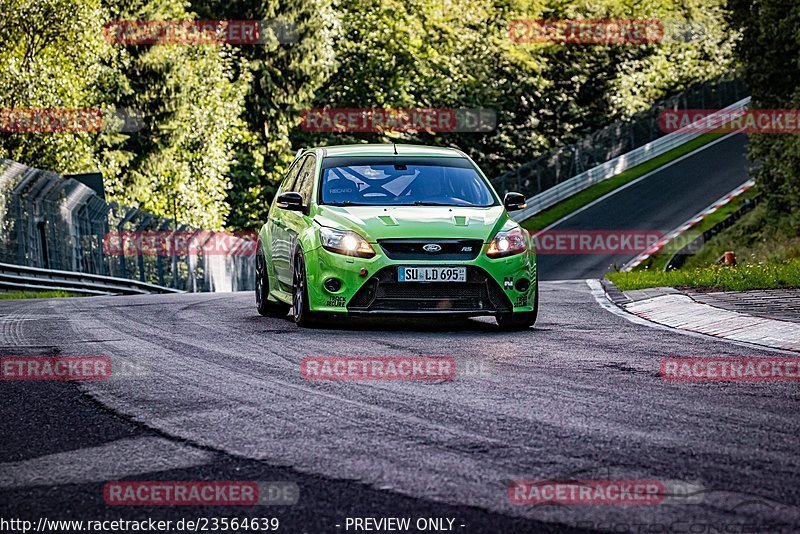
289 182
305 181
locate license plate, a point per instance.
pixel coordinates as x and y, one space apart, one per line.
432 274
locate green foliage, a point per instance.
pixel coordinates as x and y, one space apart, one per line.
190 98
52 55
757 237
221 123
698 46
770 55
284 78
420 53
55 294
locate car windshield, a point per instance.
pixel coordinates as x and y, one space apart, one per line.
401 182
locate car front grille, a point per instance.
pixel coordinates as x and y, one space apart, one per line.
383 293
449 249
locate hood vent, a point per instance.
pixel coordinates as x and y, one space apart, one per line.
388 220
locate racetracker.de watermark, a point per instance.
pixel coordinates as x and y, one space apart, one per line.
55 368
378 368
535 492
586 31
594 241
200 493
752 121
180 243
729 369
441 120
65 120
606 491
199 32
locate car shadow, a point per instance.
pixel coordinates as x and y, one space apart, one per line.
411 324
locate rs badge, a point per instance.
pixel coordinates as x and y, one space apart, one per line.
508 283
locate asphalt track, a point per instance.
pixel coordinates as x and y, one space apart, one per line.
661 202
219 396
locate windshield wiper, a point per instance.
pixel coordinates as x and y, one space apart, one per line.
422 203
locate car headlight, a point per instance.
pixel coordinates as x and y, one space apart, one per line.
345 242
507 244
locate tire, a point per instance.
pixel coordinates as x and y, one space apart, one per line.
301 313
266 307
521 320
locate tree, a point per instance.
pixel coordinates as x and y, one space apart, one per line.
190 98
769 53
285 71
221 123
52 56
457 54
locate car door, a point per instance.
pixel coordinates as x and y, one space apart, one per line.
297 221
279 237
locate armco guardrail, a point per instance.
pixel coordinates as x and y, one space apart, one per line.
48 221
20 278
559 165
554 195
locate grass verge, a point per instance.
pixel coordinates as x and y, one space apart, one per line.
767 248
742 278
35 295
758 237
575 202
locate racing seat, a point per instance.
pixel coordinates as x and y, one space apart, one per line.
341 191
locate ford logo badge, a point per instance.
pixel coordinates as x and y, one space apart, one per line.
431 247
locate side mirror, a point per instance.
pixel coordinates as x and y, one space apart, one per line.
291 201
514 201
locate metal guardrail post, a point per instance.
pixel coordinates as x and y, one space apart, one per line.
159 257
19 229
208 281
143 225
123 267
175 264
192 264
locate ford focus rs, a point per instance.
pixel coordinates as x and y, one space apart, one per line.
394 230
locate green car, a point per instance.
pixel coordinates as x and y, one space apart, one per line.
394 230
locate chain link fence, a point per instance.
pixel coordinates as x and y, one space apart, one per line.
52 222
560 165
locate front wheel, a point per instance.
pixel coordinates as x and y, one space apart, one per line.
520 320
266 307
301 312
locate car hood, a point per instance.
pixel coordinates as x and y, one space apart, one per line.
443 222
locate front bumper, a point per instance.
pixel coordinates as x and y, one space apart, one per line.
494 286
382 293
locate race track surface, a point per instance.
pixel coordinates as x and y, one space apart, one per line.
660 202
220 397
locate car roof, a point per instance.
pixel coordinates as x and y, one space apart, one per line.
387 149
